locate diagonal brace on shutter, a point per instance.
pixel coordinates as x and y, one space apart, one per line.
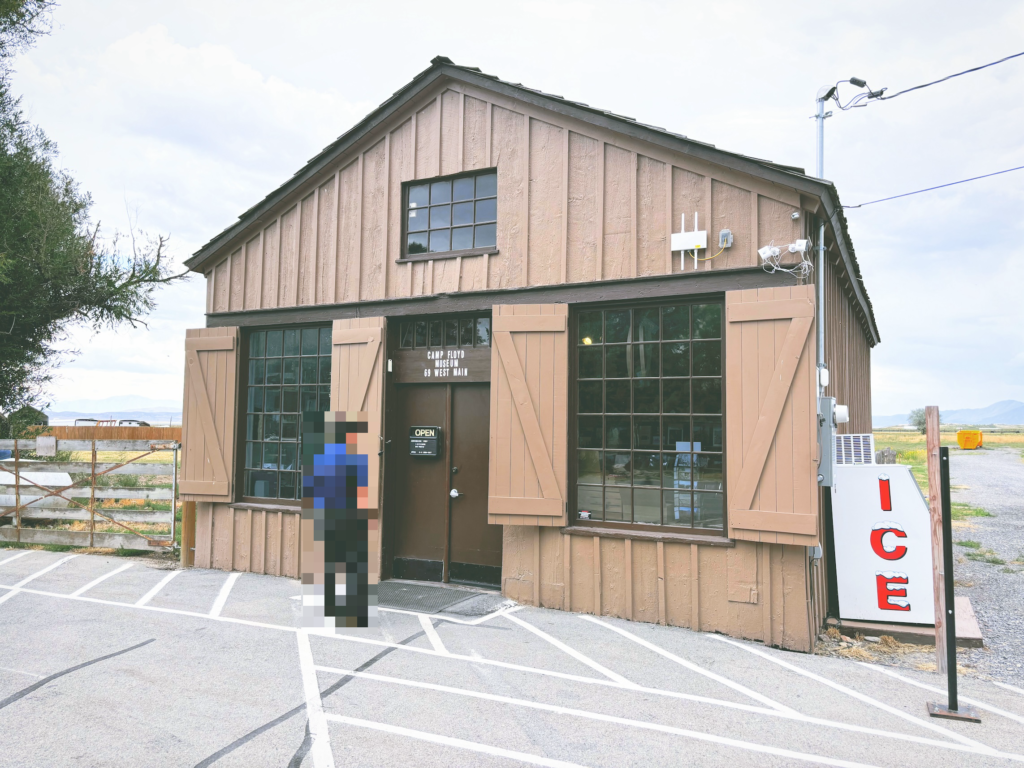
771 411
198 381
527 412
371 337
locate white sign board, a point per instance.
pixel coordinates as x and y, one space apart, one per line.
882 535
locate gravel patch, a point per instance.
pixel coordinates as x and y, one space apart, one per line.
992 479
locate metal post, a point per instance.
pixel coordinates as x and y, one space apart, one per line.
952 710
820 276
17 485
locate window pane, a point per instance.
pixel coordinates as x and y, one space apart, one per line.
421 333
419 195
707 433
270 452
440 240
462 213
707 395
676 359
645 396
417 220
440 192
272 426
262 484
486 210
451 333
617 505
676 396
290 427
257 344
707 321
436 332
707 358
253 455
616 397
589 467
486 236
487 185
676 509
646 433
707 471
290 373
646 469
483 332
646 505
290 400
645 325
255 404
291 342
589 400
616 325
325 399
274 343
617 468
325 341
310 341
590 328
309 370
272 400
325 370
308 400
440 216
676 433
288 485
462 239
675 323
590 362
675 470
617 361
256 372
707 510
589 434
274 371
645 360
467 331
417 243
589 500
405 335
253 428
463 188
616 432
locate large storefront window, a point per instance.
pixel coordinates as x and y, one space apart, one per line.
289 373
649 433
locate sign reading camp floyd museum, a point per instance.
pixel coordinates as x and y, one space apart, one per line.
442 366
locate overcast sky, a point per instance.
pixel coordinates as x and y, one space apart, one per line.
187 113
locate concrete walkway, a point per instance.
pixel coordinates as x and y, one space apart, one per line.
102 664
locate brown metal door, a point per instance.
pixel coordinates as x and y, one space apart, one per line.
475 546
420 485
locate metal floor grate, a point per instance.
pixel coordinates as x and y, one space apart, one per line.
416 597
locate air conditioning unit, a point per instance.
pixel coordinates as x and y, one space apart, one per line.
855 449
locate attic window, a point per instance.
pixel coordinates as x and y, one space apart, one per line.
451 216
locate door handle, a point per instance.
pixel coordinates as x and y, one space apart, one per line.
455 493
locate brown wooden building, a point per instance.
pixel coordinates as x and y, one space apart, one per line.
622 429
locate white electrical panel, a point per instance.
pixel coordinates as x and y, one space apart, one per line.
690 241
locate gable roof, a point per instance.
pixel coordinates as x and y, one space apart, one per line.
442 67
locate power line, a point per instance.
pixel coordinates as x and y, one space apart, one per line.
950 184
950 77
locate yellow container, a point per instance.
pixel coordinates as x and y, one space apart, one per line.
969 439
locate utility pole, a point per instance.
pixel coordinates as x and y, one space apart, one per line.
824 94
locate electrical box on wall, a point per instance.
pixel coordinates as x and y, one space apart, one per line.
826 439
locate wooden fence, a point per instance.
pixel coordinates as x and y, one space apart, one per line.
35 490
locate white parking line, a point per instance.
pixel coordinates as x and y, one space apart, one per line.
693 667
15 589
155 590
323 756
101 579
432 635
15 557
448 741
222 596
1009 687
465 622
573 652
746 745
975 702
859 696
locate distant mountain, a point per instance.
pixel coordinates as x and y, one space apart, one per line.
155 418
1003 412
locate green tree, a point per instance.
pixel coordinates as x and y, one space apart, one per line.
55 271
916 419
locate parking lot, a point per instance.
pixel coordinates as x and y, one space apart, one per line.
112 662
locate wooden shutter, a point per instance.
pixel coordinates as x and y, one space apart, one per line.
770 411
208 414
357 384
529 414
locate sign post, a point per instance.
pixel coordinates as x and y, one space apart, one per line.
952 710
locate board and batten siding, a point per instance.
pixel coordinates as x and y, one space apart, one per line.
576 203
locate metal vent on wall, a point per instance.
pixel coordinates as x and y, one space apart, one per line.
855 449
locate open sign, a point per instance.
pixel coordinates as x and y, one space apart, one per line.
423 441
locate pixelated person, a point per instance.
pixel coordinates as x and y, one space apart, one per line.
338 589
